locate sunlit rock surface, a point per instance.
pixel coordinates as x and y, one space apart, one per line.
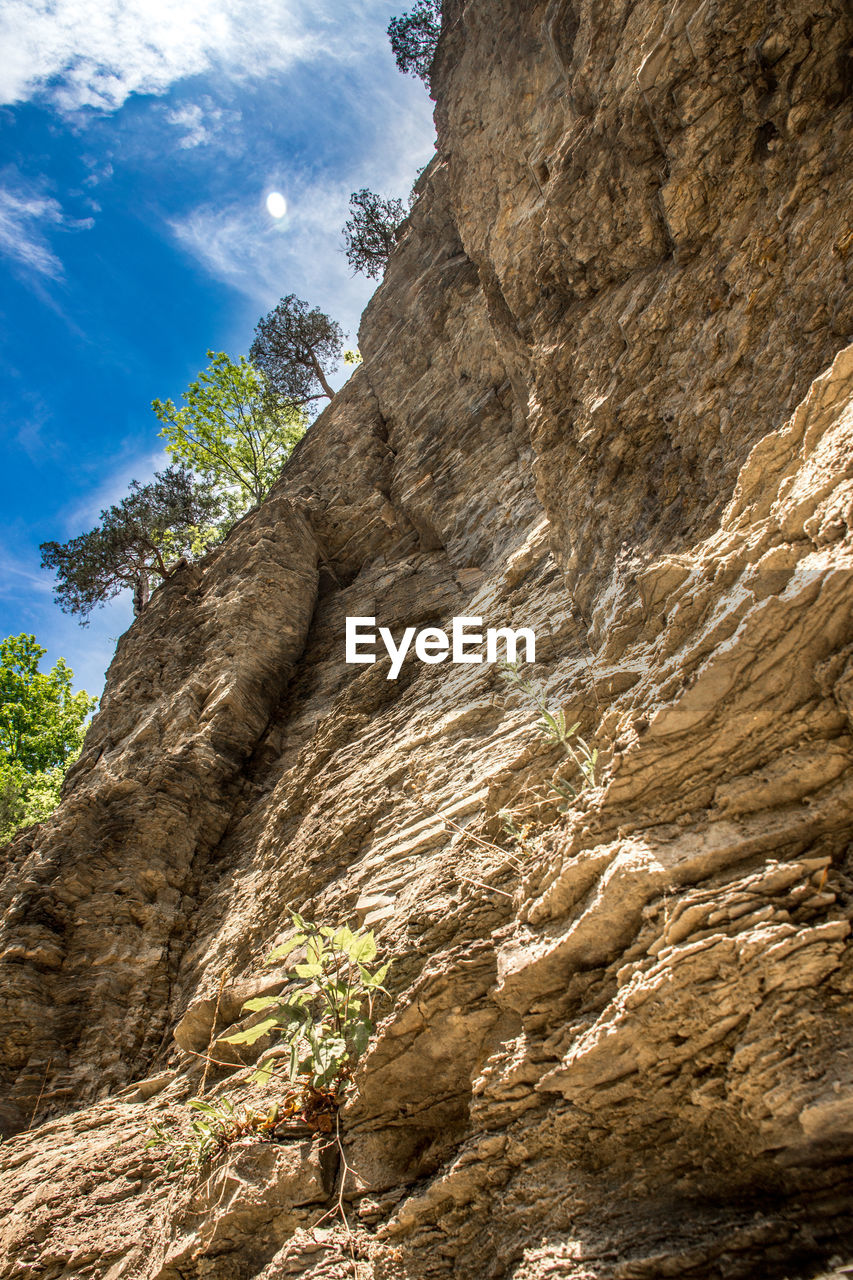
607 393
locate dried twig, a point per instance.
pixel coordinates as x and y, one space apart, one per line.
338 1207
490 887
222 982
41 1094
463 831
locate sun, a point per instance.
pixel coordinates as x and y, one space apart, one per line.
276 204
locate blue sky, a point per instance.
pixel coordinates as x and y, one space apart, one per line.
139 140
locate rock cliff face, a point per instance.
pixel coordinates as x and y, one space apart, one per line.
607 394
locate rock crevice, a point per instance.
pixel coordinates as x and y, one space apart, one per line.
606 394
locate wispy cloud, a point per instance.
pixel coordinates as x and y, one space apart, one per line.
303 253
23 219
264 259
85 513
26 216
243 246
203 123
20 574
96 53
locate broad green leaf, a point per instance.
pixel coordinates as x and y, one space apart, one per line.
363 948
262 1002
252 1033
263 1073
283 951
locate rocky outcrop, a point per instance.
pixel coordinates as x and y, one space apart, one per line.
607 395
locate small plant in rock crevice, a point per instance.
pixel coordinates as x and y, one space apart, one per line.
324 1019
520 837
213 1128
321 1021
552 725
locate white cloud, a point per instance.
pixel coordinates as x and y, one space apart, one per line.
19 573
303 253
23 218
202 123
242 245
86 513
96 53
265 258
26 214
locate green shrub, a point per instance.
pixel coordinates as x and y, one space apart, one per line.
325 1015
324 1018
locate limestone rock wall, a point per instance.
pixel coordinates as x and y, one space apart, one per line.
606 394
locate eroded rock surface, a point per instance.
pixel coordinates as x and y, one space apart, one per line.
608 394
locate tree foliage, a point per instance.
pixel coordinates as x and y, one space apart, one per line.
296 348
27 798
41 718
370 231
42 725
139 538
232 431
414 38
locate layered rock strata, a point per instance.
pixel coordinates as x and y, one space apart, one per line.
606 394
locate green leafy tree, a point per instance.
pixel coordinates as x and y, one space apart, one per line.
414 38
297 348
142 537
42 726
232 431
371 231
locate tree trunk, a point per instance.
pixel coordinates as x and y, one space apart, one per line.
140 593
321 377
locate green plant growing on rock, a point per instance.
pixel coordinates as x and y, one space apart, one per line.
322 1019
324 1016
520 837
214 1127
296 348
552 725
370 232
138 540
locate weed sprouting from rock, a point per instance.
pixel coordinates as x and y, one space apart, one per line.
324 1016
214 1126
552 725
320 1023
